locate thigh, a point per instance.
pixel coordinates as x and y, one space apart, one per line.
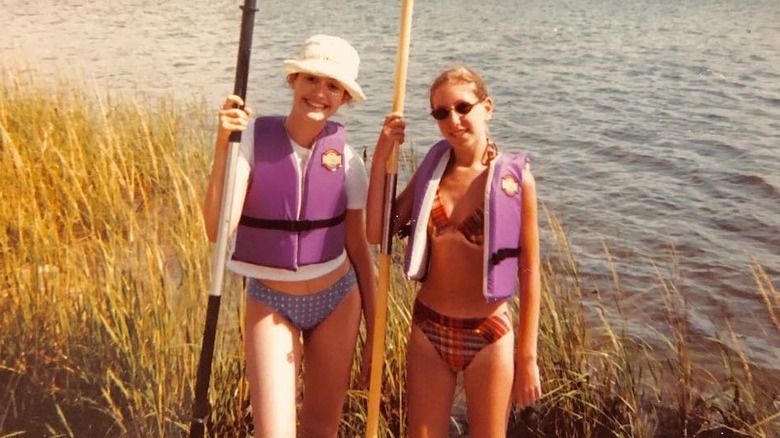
273 351
327 361
488 384
430 388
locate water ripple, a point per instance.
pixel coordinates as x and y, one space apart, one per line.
651 125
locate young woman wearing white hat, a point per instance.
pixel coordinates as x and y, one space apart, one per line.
299 238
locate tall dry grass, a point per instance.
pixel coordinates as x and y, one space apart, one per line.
104 260
105 269
602 381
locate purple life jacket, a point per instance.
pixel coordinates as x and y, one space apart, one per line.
270 232
503 215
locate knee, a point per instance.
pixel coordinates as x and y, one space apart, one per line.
319 418
312 428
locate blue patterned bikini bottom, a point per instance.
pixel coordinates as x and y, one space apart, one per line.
303 311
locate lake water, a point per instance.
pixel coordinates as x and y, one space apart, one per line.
652 125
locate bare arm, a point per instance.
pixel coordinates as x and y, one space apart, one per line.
527 381
392 133
231 118
359 255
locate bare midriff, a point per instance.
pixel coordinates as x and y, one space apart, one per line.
453 286
311 286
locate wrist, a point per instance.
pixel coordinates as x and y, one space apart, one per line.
383 150
222 133
525 359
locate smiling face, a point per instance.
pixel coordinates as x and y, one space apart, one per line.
469 129
316 97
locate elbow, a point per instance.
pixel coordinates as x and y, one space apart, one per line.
373 237
211 226
373 231
211 233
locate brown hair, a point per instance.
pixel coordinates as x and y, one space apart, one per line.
460 75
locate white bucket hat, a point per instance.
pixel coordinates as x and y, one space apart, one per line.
329 56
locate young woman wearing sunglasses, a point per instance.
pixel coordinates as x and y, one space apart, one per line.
471 216
299 238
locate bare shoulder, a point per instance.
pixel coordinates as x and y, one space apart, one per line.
528 182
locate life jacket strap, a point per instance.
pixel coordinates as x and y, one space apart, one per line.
504 253
291 226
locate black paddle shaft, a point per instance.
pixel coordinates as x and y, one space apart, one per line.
200 406
244 50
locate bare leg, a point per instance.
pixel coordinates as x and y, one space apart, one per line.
328 352
273 352
431 388
488 384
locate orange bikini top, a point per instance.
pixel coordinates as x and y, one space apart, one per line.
472 227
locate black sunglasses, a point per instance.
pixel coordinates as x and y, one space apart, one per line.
461 108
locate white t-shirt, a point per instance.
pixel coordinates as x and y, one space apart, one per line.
356 188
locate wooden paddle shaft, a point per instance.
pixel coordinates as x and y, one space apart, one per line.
385 258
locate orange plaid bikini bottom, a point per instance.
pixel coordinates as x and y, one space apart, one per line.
458 340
